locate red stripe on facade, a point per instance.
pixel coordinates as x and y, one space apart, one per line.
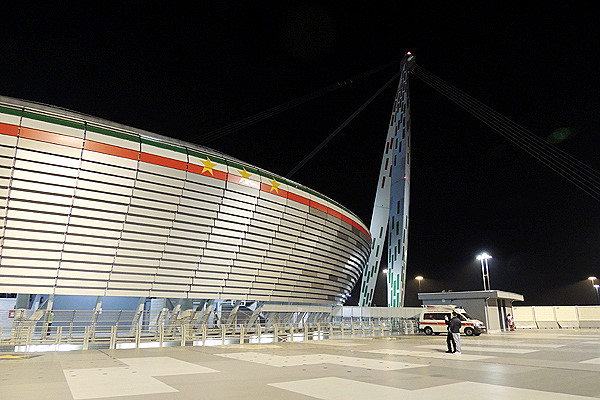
110 149
49 137
264 187
219 174
197 169
280 192
298 199
318 206
64 140
336 214
360 228
9 129
346 219
443 323
164 161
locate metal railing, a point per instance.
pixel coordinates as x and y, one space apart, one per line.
39 330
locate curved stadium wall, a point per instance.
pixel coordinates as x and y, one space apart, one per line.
91 207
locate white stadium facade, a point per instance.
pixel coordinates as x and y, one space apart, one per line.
94 208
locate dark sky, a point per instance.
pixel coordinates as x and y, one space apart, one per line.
183 72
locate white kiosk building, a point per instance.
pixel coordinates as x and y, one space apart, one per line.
490 306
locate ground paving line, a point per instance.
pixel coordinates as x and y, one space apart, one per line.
430 354
467 347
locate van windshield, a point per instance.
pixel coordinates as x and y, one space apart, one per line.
464 316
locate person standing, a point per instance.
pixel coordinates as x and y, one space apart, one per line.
50 319
450 338
511 322
454 329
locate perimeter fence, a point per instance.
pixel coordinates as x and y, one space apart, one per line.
42 330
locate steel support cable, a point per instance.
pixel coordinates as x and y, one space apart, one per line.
558 168
510 130
485 114
528 135
527 149
483 109
558 152
584 186
253 119
342 126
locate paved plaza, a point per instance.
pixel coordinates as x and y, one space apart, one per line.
547 364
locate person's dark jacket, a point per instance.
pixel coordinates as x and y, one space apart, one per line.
455 325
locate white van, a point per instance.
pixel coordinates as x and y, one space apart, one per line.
433 320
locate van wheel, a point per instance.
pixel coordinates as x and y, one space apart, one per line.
469 331
428 331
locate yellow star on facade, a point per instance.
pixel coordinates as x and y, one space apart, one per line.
245 174
208 166
274 186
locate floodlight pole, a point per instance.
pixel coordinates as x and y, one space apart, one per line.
485 271
419 279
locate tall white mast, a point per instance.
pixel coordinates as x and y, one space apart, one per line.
390 211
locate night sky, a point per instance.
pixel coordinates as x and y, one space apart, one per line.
183 72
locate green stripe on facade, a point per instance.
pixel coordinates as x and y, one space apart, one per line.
249 169
108 132
136 138
201 155
53 120
11 111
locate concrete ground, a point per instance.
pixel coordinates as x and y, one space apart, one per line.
549 365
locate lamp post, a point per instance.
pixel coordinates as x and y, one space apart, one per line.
485 272
419 279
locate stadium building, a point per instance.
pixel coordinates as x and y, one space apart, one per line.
94 208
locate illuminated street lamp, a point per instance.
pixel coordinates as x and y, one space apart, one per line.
385 271
419 279
485 272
